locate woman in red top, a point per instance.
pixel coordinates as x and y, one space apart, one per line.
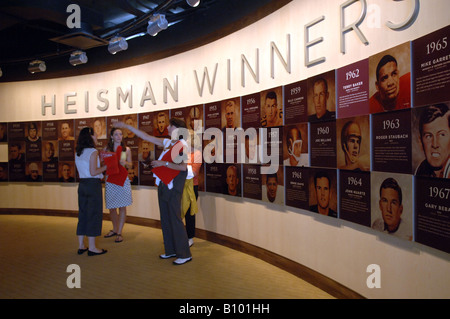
118 186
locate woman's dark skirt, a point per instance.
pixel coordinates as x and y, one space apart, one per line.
90 207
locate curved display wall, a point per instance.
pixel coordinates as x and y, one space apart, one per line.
337 149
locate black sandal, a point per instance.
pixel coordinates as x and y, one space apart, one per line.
81 251
117 238
92 253
110 234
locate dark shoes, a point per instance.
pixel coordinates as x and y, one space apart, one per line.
82 251
119 238
110 234
92 253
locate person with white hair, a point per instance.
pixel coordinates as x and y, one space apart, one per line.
33 173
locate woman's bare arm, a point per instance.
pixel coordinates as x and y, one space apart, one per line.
93 168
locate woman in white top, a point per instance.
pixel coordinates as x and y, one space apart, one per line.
90 201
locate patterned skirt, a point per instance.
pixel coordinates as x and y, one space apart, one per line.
118 196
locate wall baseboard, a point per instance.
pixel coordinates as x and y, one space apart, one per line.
311 276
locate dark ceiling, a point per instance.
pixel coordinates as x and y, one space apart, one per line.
31 29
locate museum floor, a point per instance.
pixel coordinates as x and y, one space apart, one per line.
36 251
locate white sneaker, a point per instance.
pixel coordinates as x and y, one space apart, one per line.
164 256
191 242
180 261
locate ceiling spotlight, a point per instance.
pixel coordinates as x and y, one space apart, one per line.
1 72
193 3
117 44
78 57
37 66
157 23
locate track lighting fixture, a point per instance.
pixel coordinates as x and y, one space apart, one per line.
37 66
193 3
157 23
117 44
78 57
